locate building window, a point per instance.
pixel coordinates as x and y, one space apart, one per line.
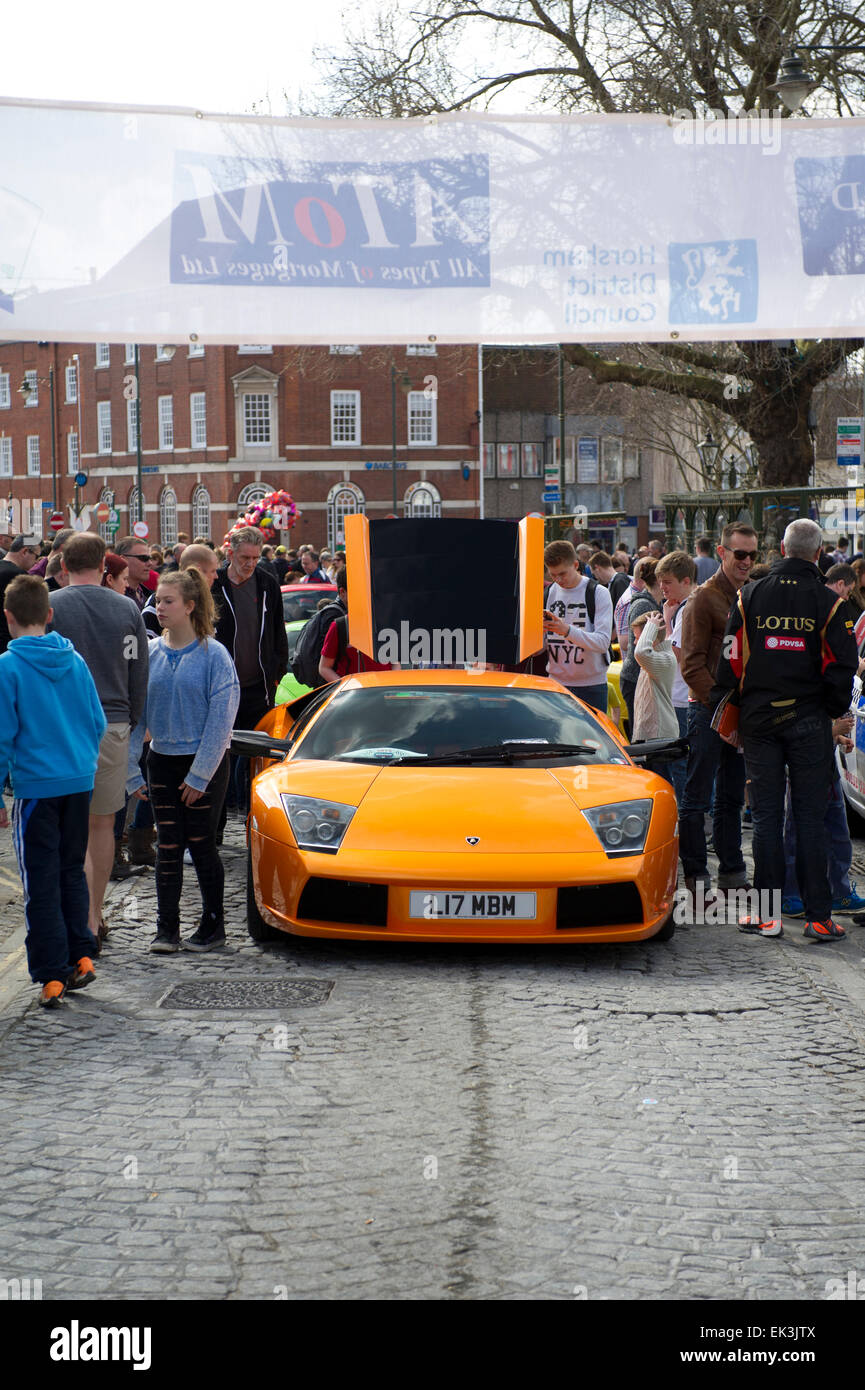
509 460
103 427
632 462
345 417
129 354
253 492
164 352
196 350
198 420
344 349
342 501
256 418
165 408
247 348
421 350
32 380
570 457
131 427
136 511
168 517
611 460
533 460
421 418
106 496
72 384
489 460
5 397
200 512
5 458
422 500
103 354
72 452
33 468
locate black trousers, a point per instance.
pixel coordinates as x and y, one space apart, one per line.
253 706
179 826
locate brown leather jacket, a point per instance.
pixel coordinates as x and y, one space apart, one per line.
703 622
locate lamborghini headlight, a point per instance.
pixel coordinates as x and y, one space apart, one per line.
621 828
317 824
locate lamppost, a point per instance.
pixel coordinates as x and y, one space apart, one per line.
26 390
708 449
405 387
132 392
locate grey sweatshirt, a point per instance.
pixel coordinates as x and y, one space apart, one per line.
106 629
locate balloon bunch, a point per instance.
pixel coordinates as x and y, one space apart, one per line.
274 513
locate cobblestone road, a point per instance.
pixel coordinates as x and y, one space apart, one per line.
680 1120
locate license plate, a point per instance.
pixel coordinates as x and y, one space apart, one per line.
467 905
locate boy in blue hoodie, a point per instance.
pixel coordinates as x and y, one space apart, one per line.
51 722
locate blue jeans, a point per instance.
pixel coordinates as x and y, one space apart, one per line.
678 771
805 749
710 759
838 845
594 695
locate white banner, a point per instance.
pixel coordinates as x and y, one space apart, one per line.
162 226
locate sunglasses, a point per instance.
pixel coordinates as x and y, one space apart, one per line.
743 555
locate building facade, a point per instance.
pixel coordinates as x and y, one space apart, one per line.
222 426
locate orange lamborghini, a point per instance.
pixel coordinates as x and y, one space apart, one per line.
456 805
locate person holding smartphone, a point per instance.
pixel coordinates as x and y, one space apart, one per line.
578 621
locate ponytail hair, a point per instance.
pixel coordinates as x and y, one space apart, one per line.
194 589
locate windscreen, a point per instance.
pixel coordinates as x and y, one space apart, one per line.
297 604
383 724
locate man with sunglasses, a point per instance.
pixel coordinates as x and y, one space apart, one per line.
790 658
143 579
710 761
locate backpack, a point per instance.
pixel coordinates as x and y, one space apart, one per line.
307 653
590 609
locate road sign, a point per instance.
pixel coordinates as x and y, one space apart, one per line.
103 511
551 497
57 522
113 520
141 530
80 479
848 441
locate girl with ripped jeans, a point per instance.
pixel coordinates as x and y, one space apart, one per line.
192 698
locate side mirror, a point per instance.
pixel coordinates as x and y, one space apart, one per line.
250 743
658 750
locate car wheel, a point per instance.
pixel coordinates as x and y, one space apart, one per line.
855 822
258 929
667 931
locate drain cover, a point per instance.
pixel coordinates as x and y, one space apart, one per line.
248 994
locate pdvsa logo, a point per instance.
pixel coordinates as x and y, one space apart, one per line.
349 226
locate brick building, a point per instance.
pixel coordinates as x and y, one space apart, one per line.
221 426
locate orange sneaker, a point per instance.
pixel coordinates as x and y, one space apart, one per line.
824 931
52 992
82 974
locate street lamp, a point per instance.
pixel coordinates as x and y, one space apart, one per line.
794 85
168 352
405 387
708 449
26 390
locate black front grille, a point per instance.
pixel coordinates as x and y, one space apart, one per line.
335 900
599 905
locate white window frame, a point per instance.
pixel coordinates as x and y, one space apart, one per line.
345 349
5 456
34 464
249 349
196 350
168 517
421 350
422 419
200 511
525 470
135 507
103 427
129 354
73 453
5 392
161 354
132 427
32 379
251 419
165 414
103 354
107 496
348 402
511 468
345 499
429 508
72 384
198 420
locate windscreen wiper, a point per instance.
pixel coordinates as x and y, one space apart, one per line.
501 752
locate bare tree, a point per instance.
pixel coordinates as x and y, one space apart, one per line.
631 56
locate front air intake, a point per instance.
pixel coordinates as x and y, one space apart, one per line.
599 905
336 900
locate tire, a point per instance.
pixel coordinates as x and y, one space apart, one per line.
855 823
667 931
258 929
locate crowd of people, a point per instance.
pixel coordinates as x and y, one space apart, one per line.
124 671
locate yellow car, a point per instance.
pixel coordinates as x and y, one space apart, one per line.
445 805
